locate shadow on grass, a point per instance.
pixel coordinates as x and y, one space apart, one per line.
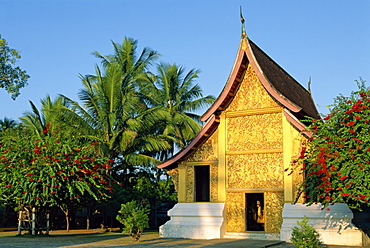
97 238
65 239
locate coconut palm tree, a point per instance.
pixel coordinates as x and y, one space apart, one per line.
7 123
50 116
176 92
111 111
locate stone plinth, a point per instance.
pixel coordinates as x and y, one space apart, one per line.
195 221
335 226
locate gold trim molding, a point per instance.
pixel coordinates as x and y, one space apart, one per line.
255 190
200 163
254 151
247 112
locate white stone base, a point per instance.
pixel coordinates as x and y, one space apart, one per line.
195 221
335 226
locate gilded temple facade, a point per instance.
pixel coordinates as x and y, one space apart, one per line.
232 178
246 157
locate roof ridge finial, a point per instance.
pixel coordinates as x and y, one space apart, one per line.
244 33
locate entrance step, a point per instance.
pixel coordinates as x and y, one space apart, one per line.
252 235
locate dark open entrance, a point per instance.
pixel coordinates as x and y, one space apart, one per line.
255 213
202 185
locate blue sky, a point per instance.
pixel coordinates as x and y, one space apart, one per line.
326 40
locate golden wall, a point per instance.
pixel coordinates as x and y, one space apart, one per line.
254 154
251 94
255 171
253 132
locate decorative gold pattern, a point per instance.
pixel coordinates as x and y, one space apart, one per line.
255 132
235 213
255 171
274 203
174 174
190 184
251 94
214 182
206 152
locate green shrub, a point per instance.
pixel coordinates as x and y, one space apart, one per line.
305 236
134 217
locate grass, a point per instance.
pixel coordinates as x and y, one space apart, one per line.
75 238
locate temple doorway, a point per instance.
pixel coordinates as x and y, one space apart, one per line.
254 212
202 183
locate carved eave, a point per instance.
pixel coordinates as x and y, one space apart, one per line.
202 137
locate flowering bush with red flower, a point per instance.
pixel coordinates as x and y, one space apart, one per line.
55 170
336 159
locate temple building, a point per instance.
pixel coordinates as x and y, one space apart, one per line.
231 179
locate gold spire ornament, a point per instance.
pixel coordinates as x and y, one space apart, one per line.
244 33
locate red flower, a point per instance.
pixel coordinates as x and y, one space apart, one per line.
328 209
94 143
111 161
351 123
345 194
44 131
24 192
57 141
343 177
358 117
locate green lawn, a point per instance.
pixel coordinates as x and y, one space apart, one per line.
75 238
